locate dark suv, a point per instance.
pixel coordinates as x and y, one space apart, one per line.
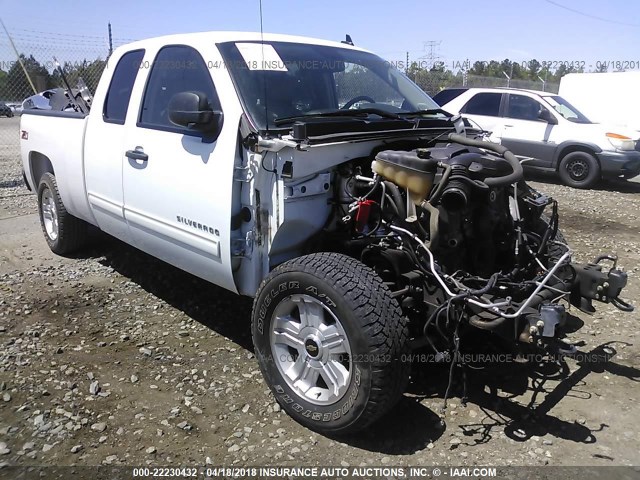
5 111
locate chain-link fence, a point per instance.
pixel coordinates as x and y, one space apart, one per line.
434 81
28 74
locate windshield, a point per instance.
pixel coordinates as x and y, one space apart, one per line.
565 109
279 80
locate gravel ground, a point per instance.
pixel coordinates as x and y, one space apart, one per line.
12 191
113 357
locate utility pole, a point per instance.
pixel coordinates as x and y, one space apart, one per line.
406 67
110 41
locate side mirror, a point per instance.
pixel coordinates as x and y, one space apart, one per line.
546 116
192 110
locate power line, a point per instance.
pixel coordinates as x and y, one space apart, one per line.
595 17
55 33
24 40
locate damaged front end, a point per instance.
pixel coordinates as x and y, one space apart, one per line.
541 319
466 246
595 284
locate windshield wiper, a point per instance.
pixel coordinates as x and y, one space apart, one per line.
361 112
430 111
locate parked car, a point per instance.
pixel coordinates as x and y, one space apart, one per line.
315 177
16 108
550 133
5 110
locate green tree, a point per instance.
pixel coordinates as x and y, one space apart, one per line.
17 83
545 73
513 69
435 79
534 70
478 68
4 94
413 70
484 69
562 70
90 72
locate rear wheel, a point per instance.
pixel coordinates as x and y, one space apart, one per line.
579 170
63 232
331 342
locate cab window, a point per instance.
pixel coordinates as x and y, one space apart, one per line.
176 68
124 76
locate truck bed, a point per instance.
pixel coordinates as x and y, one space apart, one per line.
56 138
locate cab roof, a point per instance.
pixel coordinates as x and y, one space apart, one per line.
505 89
231 36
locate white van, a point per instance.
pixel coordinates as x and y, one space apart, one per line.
588 91
548 133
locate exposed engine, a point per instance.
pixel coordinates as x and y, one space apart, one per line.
464 243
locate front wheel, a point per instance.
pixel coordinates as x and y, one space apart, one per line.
579 170
331 342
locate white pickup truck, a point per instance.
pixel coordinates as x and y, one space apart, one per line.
315 177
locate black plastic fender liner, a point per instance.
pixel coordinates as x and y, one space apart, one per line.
24 179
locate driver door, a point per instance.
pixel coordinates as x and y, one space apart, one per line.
176 183
525 133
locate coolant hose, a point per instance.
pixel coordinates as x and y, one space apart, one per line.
441 184
397 198
513 177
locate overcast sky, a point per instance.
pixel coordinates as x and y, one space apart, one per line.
560 30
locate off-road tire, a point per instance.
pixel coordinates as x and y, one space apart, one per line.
69 233
374 326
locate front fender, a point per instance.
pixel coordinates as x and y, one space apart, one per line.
563 147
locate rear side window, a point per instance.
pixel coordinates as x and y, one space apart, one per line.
119 93
445 96
484 104
176 68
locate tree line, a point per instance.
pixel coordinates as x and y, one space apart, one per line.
436 77
15 86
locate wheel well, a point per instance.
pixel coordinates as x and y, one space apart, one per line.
575 148
39 165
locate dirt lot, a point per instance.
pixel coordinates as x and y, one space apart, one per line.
113 357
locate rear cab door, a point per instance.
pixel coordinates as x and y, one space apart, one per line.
177 183
104 143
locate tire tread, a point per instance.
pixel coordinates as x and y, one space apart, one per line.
378 314
72 232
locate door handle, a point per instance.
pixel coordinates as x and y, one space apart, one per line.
508 126
137 154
